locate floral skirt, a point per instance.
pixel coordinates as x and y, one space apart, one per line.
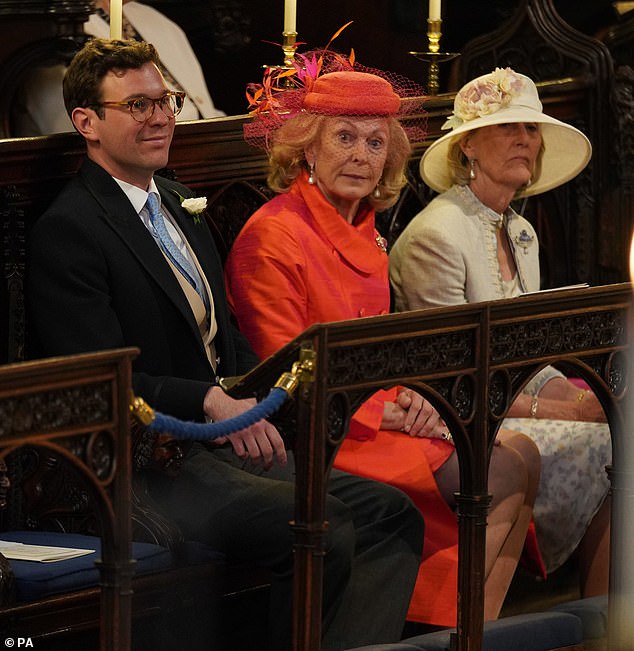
573 482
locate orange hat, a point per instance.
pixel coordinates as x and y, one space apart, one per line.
327 83
352 93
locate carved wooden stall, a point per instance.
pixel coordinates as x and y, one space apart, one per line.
78 409
617 197
584 226
35 32
584 230
470 361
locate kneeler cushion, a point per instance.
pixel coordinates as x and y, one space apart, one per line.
35 580
530 632
593 613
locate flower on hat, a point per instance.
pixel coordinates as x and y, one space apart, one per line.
484 96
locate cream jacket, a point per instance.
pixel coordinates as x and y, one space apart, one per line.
447 254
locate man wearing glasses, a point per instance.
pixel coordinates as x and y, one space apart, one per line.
116 261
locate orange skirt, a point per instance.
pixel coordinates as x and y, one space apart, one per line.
409 463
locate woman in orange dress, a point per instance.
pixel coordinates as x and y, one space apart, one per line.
312 254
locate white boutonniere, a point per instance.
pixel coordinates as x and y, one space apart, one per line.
195 206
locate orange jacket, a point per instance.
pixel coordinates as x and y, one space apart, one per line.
298 262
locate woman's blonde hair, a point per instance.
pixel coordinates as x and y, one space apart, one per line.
287 160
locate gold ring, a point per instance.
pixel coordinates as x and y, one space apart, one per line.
446 436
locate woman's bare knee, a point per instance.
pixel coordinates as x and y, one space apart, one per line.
508 474
529 452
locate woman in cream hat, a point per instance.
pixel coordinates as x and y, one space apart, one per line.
337 152
500 98
469 245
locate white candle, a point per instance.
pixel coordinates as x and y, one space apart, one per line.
290 16
434 9
116 10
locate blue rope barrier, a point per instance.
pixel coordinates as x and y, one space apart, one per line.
209 431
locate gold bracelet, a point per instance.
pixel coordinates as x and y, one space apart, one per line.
533 409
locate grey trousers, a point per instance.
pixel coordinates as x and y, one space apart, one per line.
373 547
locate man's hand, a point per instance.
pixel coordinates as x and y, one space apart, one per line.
261 442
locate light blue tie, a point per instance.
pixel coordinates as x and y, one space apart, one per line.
168 246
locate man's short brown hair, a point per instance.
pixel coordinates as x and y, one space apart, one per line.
98 57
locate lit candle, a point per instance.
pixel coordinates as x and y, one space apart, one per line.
116 10
434 9
290 16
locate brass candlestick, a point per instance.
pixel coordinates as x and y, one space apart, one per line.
433 56
434 34
289 46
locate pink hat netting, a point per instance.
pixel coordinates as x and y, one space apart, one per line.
284 93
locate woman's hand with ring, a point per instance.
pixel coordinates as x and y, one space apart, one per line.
421 418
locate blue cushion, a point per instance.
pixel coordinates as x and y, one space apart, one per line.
36 580
529 632
593 613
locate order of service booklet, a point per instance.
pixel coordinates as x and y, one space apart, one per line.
22 552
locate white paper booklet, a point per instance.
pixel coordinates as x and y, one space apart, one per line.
21 552
558 289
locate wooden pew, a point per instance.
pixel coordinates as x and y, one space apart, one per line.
208 155
470 361
578 241
52 405
65 434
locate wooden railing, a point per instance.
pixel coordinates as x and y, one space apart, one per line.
78 408
470 361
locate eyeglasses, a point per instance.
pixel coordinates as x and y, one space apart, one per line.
142 108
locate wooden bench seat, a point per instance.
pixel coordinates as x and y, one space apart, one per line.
578 244
57 605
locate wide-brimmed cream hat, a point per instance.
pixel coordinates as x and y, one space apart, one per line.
501 97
